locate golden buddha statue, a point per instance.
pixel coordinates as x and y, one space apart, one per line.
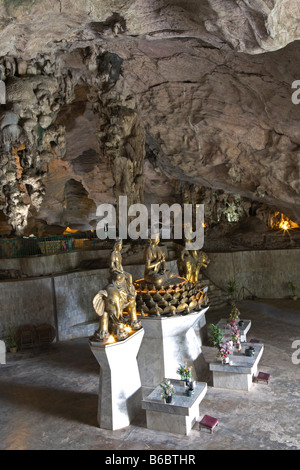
155 264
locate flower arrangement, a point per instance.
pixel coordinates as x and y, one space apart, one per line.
234 331
167 389
216 337
184 371
225 350
234 314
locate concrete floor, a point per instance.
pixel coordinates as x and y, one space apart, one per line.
48 397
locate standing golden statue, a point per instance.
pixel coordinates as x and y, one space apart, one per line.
117 296
155 264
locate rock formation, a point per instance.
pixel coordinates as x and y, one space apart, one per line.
161 102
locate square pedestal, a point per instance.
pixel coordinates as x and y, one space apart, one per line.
238 374
120 392
177 417
168 342
222 324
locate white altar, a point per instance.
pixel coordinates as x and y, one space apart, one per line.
120 392
168 342
238 374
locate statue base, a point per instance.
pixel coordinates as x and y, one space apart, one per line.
178 297
168 342
120 392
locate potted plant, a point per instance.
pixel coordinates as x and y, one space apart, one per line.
293 289
224 347
11 342
231 289
168 390
215 335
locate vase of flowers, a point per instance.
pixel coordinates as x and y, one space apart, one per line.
168 390
234 313
185 373
225 350
235 333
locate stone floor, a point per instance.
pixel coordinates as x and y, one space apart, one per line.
48 397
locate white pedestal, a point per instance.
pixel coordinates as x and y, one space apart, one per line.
243 329
238 374
2 352
120 392
177 417
168 342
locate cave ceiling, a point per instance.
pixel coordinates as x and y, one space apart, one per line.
142 98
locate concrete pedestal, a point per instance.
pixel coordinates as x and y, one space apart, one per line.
2 352
177 417
120 392
168 342
243 329
238 374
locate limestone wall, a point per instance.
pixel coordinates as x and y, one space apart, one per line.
52 264
65 301
28 302
264 273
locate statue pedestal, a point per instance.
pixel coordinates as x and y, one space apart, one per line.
243 329
120 393
239 373
168 342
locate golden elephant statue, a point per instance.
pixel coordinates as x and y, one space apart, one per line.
109 304
190 263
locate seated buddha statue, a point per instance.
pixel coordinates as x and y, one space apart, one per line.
155 264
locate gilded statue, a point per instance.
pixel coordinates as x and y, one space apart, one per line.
191 262
118 295
155 264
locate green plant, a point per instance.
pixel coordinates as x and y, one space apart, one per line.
215 334
292 287
231 287
167 389
11 338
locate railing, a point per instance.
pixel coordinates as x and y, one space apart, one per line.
42 246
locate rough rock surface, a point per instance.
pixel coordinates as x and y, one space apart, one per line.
189 101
